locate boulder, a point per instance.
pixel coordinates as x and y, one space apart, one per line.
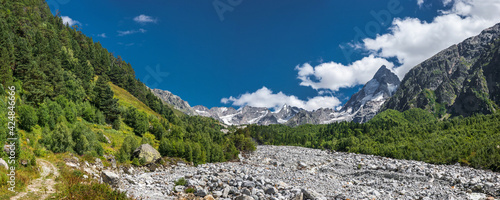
4 164
299 196
147 152
244 197
313 195
110 178
271 191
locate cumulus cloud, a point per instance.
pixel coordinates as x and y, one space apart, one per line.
70 22
103 35
334 76
144 19
412 40
123 33
265 97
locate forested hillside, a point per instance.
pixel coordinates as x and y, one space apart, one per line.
414 134
71 93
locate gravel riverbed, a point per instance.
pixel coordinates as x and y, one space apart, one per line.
285 172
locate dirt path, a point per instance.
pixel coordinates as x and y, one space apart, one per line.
41 187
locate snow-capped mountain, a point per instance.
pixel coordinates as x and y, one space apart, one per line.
248 114
365 104
360 108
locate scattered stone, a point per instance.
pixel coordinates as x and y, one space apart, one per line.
4 164
271 190
72 165
244 197
323 175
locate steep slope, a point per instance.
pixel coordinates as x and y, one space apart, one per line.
174 100
460 80
365 104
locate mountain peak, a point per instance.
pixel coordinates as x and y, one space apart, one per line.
364 104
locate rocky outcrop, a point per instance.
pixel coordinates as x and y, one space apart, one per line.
147 153
460 80
174 100
281 172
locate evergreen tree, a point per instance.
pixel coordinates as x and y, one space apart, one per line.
104 99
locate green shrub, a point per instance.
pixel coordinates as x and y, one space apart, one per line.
181 181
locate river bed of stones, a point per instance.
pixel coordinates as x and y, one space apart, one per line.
285 172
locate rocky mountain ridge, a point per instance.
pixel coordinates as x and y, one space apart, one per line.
360 108
249 114
460 80
174 100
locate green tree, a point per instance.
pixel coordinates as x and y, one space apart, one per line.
128 147
103 99
27 117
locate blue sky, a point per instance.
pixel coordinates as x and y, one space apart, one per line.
309 54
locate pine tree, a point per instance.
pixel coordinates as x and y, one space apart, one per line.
103 99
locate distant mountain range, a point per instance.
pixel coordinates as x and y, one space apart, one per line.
360 108
461 80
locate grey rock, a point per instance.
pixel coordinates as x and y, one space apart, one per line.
147 152
110 178
201 192
244 197
271 190
313 195
174 100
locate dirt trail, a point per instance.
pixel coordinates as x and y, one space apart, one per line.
41 187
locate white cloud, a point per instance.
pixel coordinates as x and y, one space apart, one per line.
412 41
144 19
123 33
264 97
420 3
103 35
70 22
334 76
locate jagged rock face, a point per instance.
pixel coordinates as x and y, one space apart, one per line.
460 80
248 114
360 108
365 104
319 116
174 100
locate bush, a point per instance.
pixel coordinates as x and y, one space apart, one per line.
59 140
128 147
181 181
